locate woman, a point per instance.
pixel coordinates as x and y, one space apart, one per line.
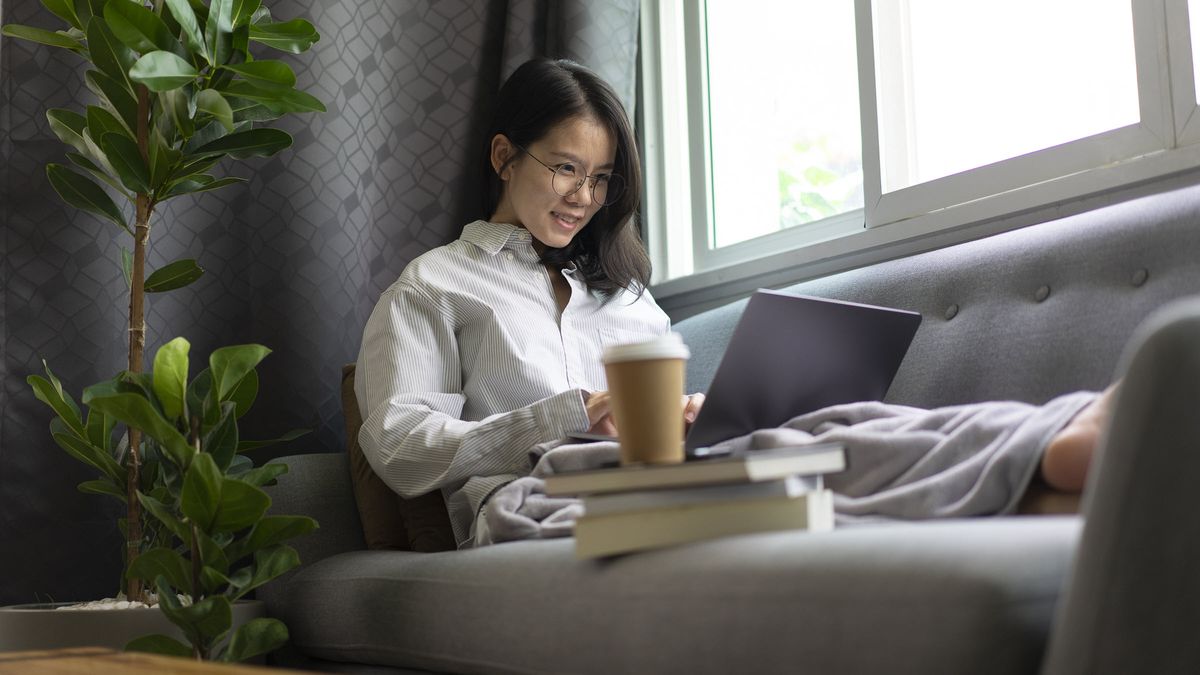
491 344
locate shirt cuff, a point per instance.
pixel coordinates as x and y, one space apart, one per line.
560 415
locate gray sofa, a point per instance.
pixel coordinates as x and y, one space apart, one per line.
1024 315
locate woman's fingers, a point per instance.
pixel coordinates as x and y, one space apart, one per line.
691 407
599 412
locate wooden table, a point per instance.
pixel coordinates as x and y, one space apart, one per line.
101 660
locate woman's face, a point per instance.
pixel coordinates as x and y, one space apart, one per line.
528 198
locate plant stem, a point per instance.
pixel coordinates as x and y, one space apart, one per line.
137 343
199 652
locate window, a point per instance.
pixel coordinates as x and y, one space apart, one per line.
790 133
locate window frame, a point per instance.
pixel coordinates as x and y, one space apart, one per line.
689 273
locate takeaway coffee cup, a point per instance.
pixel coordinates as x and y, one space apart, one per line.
645 380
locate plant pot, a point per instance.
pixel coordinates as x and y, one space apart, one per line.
42 626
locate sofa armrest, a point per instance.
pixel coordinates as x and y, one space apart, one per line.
1133 600
318 486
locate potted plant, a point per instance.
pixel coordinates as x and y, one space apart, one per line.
177 90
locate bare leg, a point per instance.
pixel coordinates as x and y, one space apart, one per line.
1069 454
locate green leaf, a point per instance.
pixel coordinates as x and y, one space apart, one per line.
242 505
266 74
257 636
49 390
221 441
162 157
161 562
136 411
83 193
240 467
139 28
269 563
277 100
100 121
212 580
127 266
170 376
199 396
91 455
99 174
163 71
244 10
175 103
230 364
68 125
218 30
211 102
203 622
243 144
98 155
244 393
83 10
42 36
183 13
190 186
65 10
293 36
164 515
99 430
118 97
272 530
110 55
201 497
263 475
245 110
159 644
174 275
213 553
122 152
246 446
103 487
195 166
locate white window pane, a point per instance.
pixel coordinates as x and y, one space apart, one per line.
965 84
783 107
1194 24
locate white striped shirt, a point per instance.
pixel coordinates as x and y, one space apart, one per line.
466 364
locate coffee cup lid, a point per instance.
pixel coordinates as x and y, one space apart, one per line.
669 346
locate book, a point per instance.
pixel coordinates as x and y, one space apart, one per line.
617 502
616 533
757 465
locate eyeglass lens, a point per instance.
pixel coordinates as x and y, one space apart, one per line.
605 190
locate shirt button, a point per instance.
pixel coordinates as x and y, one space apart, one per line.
509 255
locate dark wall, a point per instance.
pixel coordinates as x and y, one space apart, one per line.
295 258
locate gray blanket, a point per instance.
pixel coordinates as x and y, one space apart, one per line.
903 463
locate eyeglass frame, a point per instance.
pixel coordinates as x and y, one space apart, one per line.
595 180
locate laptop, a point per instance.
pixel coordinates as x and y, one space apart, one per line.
793 354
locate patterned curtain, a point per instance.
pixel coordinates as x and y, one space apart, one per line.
295 258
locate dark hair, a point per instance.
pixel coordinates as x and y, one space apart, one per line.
542 94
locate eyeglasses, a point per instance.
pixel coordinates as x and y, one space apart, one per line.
606 187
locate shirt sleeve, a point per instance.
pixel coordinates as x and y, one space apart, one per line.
409 387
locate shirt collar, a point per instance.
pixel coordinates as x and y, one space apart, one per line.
492 238
495 237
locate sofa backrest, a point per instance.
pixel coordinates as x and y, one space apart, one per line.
1025 315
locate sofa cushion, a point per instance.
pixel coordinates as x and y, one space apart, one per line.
937 597
389 521
378 506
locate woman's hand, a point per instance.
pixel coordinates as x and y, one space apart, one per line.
691 407
599 412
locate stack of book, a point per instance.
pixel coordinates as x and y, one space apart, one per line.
640 507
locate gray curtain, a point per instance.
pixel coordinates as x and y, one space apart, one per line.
295 258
